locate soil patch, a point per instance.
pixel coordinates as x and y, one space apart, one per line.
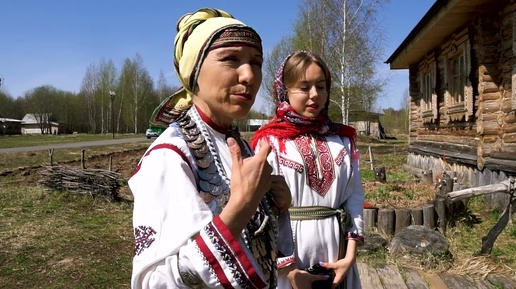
123 162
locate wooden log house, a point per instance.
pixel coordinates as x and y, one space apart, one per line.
461 59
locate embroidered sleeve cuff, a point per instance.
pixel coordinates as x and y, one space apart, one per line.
286 261
355 236
226 257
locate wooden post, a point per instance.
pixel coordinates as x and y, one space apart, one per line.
110 162
417 216
451 209
445 186
369 218
380 175
82 159
371 159
427 177
402 219
429 216
386 221
440 208
51 155
424 175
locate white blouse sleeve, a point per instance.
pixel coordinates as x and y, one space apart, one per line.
355 202
178 241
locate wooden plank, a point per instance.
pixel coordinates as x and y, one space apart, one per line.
368 276
414 280
434 281
484 284
458 281
505 281
391 277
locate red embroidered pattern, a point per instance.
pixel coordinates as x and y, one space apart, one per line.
355 236
143 236
319 185
291 164
339 160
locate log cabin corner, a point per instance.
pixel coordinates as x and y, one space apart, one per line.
461 59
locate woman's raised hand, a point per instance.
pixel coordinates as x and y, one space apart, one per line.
250 180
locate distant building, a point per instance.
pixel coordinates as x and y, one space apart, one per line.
9 126
38 124
255 124
366 123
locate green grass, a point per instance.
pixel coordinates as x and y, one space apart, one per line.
62 240
35 140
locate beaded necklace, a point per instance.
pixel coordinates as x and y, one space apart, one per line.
261 233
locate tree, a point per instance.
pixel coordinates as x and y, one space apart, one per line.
107 82
70 113
6 105
136 88
347 35
272 62
163 90
88 91
42 103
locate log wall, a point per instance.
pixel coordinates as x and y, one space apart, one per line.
478 146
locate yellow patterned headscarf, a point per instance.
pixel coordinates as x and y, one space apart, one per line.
196 33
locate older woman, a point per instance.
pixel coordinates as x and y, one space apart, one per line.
205 207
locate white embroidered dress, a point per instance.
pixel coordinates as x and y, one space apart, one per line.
320 171
180 242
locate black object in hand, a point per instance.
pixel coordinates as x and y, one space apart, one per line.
320 270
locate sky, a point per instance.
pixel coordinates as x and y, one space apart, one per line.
52 42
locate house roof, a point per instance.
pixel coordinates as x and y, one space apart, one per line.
9 120
441 20
362 115
258 121
30 118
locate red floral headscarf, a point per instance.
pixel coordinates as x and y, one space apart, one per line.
288 124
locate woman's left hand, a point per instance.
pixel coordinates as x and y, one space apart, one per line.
280 193
341 269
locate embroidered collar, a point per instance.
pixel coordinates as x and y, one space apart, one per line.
211 123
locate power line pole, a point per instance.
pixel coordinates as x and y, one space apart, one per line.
112 96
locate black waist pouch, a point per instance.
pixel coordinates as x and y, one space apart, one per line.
319 270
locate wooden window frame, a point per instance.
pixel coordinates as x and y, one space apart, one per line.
458 97
428 103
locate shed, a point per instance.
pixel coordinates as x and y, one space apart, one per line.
10 126
33 123
461 59
255 124
366 123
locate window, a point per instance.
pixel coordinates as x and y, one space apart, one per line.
458 96
428 102
428 87
458 78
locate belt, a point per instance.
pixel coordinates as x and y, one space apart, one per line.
319 213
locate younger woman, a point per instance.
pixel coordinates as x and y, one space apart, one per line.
319 161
